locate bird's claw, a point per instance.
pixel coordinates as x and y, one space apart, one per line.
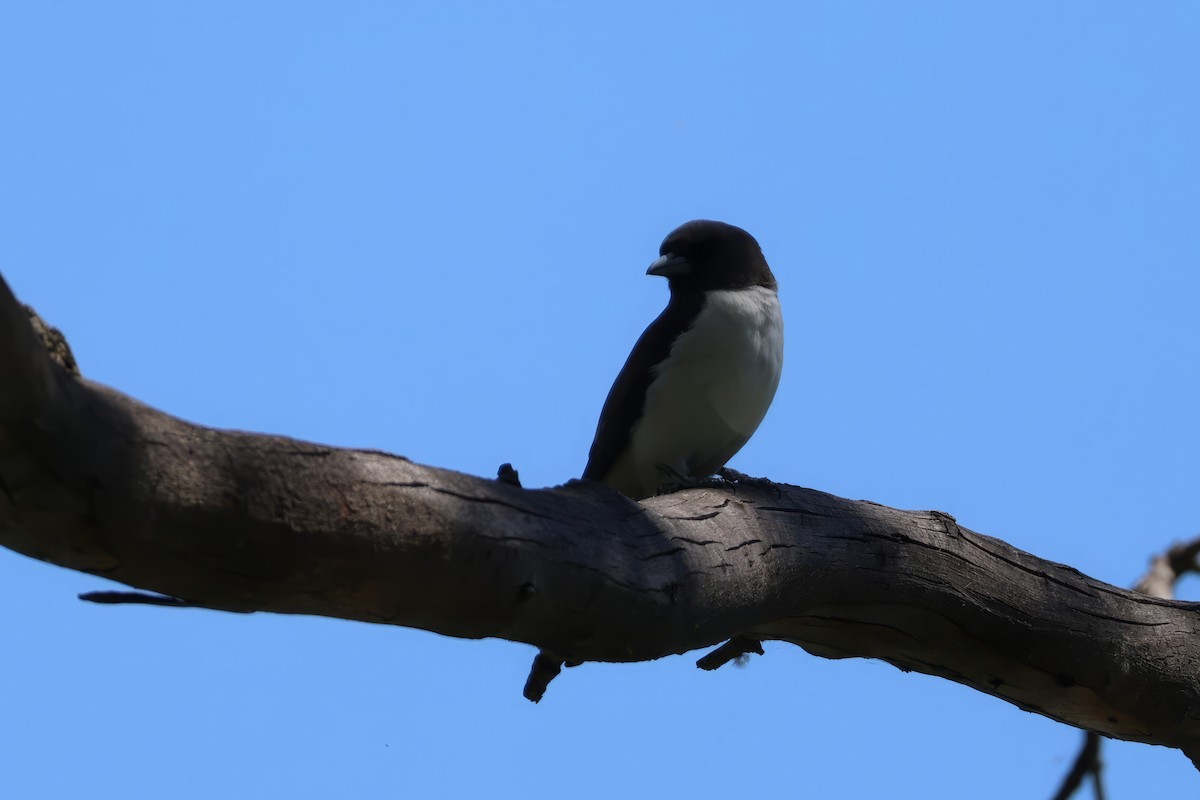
735 479
677 482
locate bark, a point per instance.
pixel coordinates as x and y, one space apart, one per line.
94 480
1166 570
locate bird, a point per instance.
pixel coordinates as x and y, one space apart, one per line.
703 374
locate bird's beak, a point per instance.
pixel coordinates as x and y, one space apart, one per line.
669 265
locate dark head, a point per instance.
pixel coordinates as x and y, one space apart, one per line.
703 254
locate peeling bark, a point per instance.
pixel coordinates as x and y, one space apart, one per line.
94 480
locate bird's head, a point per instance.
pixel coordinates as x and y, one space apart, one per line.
702 254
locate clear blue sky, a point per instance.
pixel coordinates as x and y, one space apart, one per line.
422 227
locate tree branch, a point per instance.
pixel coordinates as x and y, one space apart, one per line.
94 480
1087 764
141 598
736 649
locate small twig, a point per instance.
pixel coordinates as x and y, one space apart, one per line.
545 668
140 598
737 648
1167 568
1086 763
507 474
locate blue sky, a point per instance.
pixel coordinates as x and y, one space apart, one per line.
422 227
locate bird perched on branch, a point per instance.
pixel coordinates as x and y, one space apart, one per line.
702 376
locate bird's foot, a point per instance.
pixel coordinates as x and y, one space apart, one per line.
735 479
677 482
546 666
708 482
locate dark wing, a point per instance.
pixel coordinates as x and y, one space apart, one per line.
626 398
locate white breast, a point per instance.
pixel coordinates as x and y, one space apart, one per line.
711 392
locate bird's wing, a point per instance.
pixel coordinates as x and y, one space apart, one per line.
627 397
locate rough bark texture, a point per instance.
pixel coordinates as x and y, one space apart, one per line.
96 481
1166 569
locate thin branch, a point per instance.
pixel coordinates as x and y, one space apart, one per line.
736 649
545 668
1087 763
1167 569
141 598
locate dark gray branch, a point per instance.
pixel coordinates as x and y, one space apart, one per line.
1167 569
736 649
140 598
93 480
1087 765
